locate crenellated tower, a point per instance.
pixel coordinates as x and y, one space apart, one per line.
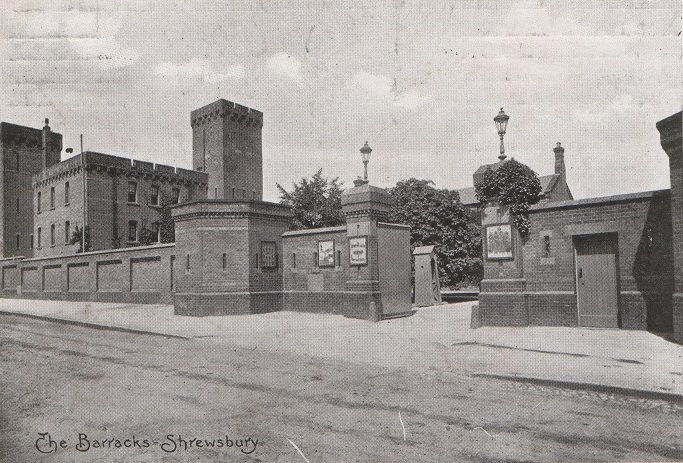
226 144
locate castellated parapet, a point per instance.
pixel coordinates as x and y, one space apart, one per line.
227 109
121 166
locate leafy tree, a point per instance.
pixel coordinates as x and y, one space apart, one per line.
77 238
437 217
166 225
316 202
515 185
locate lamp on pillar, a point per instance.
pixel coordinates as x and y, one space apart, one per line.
365 153
501 121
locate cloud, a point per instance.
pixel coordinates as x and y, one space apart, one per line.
200 69
287 66
384 88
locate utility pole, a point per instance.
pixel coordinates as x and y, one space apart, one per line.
85 197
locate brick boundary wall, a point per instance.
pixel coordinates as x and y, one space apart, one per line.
534 290
140 275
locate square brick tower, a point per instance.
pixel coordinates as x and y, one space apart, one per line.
226 144
24 151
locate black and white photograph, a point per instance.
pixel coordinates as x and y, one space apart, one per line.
300 231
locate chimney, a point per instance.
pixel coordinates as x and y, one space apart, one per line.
46 137
559 158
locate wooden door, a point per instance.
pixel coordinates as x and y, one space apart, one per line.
596 281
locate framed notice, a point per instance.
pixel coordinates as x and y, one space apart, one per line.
358 251
326 253
499 242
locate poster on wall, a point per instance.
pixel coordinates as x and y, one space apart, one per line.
326 253
358 251
499 242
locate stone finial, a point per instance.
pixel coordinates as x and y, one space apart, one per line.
47 123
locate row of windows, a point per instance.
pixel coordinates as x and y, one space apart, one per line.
155 194
154 199
52 198
67 235
132 234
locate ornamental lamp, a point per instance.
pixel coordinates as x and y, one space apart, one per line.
365 153
501 121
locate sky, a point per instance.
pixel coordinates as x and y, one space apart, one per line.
420 81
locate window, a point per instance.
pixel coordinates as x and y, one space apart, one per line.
339 261
215 193
40 196
176 195
225 261
17 160
154 198
17 204
132 192
269 254
52 198
66 193
546 246
132 231
233 193
52 235
40 237
155 231
256 260
294 260
67 231
18 240
253 195
31 240
187 262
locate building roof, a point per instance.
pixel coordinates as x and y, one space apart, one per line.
639 196
468 196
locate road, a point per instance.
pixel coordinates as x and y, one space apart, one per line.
120 391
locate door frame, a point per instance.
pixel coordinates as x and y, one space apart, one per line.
615 241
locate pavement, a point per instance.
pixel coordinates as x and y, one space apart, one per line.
437 338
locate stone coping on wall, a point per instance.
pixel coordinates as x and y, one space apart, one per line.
314 231
230 208
587 202
94 253
397 226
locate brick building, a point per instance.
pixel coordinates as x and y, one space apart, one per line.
613 261
123 198
44 200
24 151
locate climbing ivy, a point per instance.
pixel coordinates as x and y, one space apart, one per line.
515 185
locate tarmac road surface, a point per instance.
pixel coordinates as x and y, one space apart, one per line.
69 393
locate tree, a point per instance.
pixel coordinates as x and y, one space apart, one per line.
77 238
166 224
515 185
437 217
316 202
